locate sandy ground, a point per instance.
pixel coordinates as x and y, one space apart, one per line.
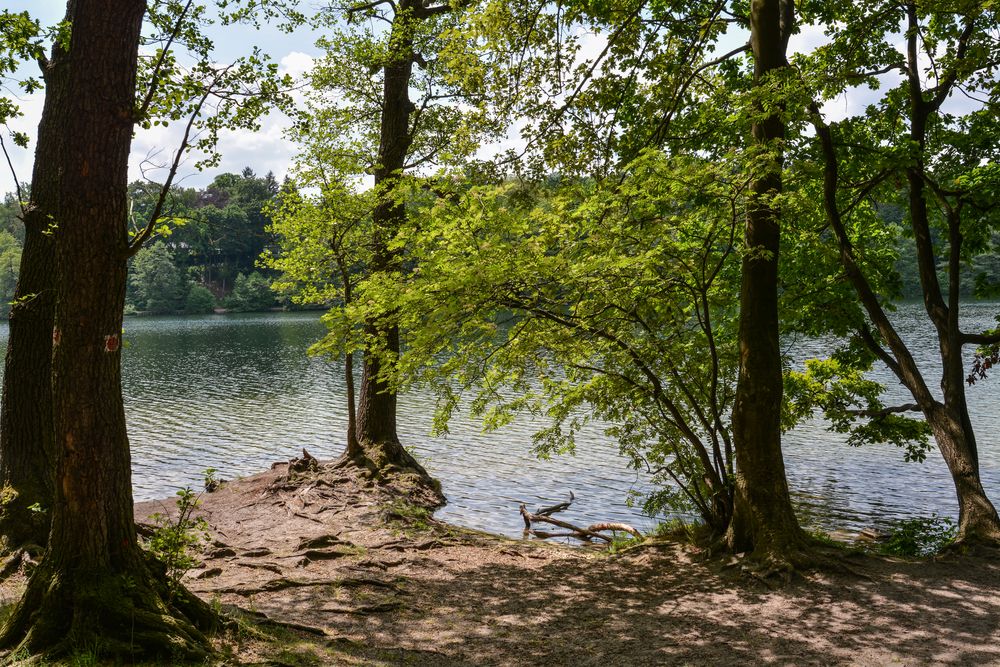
369 580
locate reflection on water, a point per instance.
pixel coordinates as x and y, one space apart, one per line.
237 393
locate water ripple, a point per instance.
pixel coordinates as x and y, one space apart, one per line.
237 393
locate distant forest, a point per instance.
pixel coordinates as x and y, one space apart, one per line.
206 256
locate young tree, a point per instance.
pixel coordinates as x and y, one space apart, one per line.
94 586
364 123
322 254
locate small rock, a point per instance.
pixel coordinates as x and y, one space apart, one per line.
209 573
259 551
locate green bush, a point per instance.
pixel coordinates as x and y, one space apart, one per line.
250 293
174 542
923 536
199 300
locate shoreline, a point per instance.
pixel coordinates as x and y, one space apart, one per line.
357 574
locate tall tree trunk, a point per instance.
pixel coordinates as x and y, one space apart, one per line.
763 520
27 447
94 587
377 446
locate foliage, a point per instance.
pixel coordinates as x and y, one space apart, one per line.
10 264
214 234
199 300
174 540
322 243
839 387
158 285
922 536
581 301
250 293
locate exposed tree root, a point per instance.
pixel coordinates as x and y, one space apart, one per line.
235 616
777 566
974 544
390 464
22 558
134 615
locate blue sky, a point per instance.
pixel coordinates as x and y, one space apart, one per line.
263 151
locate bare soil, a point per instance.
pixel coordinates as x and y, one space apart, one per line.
358 574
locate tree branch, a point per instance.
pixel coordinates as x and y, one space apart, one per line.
17 183
154 84
885 412
147 231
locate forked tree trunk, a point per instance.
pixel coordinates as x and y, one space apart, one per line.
377 446
763 520
93 587
27 448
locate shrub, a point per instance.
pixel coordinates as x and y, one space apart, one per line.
250 293
199 300
923 536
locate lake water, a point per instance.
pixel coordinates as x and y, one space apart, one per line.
238 392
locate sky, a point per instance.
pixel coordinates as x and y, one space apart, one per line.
263 151
268 149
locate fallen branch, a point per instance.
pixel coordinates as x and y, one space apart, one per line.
593 531
620 527
549 511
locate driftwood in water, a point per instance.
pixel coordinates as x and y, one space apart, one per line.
590 532
549 511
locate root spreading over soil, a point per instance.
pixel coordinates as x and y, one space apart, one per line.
359 574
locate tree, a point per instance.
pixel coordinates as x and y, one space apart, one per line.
322 254
656 83
10 262
579 299
94 586
157 281
364 122
251 292
199 300
27 447
941 167
763 519
168 92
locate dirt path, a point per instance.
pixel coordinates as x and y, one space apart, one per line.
378 582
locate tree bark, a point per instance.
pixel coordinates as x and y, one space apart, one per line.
377 446
763 521
94 586
27 447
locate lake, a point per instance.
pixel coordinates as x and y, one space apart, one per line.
238 392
